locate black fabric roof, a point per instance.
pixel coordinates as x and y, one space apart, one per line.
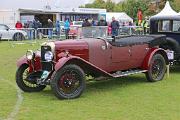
152 40
154 18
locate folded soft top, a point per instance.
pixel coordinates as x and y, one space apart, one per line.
152 40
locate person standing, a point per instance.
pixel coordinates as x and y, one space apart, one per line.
18 25
50 29
31 31
85 28
102 30
58 28
114 27
67 28
86 23
102 22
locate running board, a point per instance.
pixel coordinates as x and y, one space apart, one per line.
128 72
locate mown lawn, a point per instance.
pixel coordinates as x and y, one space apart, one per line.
127 98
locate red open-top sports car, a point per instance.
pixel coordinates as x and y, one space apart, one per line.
64 64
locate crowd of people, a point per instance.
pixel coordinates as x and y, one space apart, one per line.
112 26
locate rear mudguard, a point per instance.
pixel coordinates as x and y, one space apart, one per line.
85 65
151 52
34 65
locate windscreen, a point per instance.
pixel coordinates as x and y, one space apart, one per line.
92 32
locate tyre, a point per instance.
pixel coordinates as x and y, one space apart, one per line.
25 84
18 36
68 82
157 68
172 45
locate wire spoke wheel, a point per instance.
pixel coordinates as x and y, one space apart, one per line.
27 82
24 82
157 68
68 82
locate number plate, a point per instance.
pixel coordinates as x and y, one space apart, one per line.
170 55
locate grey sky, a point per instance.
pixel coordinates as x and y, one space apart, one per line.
4 4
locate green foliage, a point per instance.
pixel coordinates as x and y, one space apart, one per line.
95 4
118 7
176 5
131 7
110 5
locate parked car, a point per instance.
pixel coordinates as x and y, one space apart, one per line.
171 28
167 22
77 23
11 34
64 64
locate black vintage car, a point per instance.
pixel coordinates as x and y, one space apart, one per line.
167 22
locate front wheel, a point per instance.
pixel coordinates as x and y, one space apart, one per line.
23 82
68 82
18 36
157 68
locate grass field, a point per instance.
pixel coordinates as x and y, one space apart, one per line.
128 98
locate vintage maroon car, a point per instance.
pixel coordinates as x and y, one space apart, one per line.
65 64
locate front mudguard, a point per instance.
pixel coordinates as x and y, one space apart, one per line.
85 65
149 56
21 61
34 65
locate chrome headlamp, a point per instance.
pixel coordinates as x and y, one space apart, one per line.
48 56
30 54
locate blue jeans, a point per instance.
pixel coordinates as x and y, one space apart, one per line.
50 33
114 32
30 34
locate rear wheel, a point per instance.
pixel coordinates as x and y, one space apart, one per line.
157 68
68 82
25 84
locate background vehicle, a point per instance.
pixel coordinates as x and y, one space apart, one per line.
12 34
77 23
64 64
74 29
167 22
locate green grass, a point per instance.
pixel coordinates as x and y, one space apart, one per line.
127 98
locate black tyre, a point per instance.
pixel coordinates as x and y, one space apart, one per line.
18 36
157 68
23 83
172 44
68 82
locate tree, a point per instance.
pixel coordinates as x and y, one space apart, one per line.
95 4
176 5
110 5
131 7
118 7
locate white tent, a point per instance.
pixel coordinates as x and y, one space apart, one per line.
121 17
167 13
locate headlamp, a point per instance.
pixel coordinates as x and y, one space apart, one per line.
48 56
30 54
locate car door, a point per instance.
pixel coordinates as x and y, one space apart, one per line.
120 57
4 32
138 53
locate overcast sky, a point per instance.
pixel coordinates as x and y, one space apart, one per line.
4 4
